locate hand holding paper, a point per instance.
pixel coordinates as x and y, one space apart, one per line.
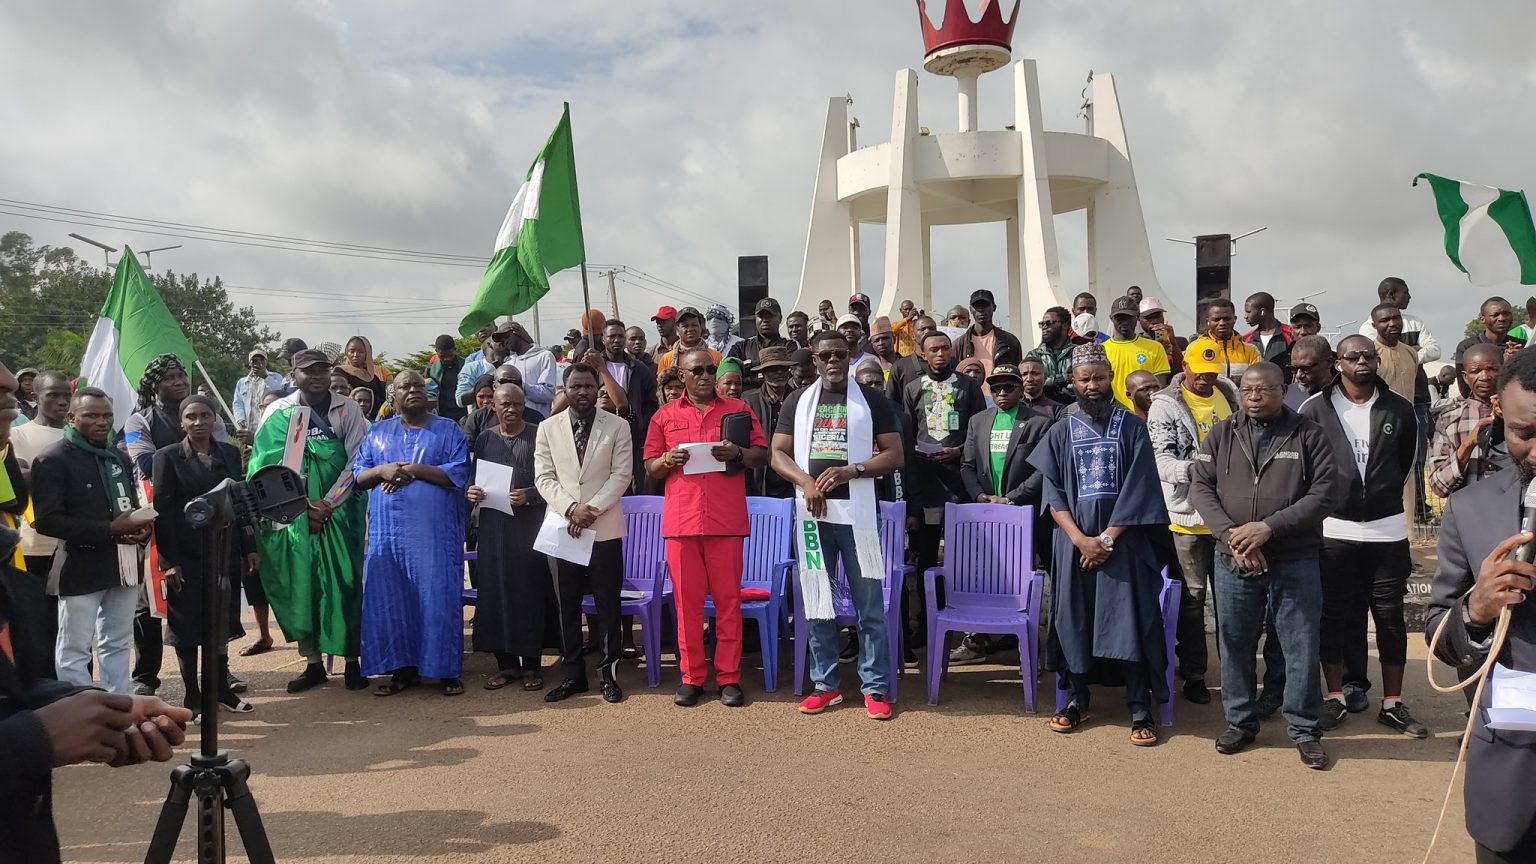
701 459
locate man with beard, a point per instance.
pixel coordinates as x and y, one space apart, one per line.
1102 490
1232 352
767 317
250 390
938 407
312 569
1263 481
991 345
1396 363
1055 353
156 424
1480 579
1460 451
539 367
772 366
913 365
1311 367
1365 558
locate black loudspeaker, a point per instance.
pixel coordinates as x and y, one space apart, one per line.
752 286
1213 273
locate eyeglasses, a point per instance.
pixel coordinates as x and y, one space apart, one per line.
833 354
1261 390
701 371
1358 356
1004 389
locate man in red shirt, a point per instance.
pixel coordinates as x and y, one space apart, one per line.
704 519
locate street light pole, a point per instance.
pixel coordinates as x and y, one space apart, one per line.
106 261
148 264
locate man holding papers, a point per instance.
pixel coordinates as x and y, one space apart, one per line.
583 463
831 441
514 577
704 519
1479 578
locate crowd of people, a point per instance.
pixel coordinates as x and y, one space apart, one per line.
1269 471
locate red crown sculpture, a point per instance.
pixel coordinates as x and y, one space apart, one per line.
957 28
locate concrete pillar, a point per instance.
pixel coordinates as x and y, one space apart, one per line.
1018 323
967 84
832 241
904 217
927 268
1036 226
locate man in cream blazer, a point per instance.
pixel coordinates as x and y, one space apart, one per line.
583 463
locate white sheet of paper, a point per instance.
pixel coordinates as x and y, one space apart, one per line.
1512 690
496 479
1512 719
699 459
554 540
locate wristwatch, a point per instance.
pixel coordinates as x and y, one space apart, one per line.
859 469
1107 541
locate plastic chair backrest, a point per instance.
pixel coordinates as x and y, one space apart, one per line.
770 521
643 543
988 555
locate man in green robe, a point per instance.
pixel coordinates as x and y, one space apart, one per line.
312 569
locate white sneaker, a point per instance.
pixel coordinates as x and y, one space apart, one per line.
966 654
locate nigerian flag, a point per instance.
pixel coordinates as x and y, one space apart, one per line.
541 235
134 328
1488 231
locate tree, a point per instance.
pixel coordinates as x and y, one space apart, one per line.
50 298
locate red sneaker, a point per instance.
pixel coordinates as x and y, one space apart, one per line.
876 706
819 701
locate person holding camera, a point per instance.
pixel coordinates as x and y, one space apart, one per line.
183 472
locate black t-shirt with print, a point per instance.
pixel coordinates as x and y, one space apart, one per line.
829 429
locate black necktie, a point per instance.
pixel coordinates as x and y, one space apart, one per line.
581 430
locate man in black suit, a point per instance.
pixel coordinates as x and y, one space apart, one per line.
639 382
1475 583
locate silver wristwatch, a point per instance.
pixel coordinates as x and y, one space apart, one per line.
1107 541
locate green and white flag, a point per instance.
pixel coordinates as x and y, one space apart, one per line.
1488 231
541 235
134 328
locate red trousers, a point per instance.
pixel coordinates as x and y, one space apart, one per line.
707 565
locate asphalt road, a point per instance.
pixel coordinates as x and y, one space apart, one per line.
501 776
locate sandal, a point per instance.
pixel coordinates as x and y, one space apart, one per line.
260 646
397 684
532 681
1144 733
452 687
498 681
1068 719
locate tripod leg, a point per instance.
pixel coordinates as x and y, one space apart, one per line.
247 818
172 814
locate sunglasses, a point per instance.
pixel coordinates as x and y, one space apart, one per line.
700 371
1358 356
1004 388
834 354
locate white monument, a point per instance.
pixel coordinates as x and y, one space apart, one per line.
1021 175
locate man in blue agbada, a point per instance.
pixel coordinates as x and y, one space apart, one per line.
1102 490
416 465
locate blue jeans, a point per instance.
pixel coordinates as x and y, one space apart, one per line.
1293 591
868 603
104 618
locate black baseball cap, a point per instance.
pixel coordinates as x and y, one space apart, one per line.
1125 306
310 357
768 304
1305 310
982 294
1006 370
689 310
862 299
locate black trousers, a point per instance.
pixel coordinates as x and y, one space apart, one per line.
29 593
1360 579
602 577
148 645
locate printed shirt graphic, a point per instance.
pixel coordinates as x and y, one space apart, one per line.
939 412
1002 433
1128 356
1207 411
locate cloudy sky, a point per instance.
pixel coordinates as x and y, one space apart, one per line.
400 125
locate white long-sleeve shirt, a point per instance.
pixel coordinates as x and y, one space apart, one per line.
541 375
1422 341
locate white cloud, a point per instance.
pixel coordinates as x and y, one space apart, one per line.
406 125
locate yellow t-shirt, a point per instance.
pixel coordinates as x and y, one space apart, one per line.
1208 411
1128 356
1234 355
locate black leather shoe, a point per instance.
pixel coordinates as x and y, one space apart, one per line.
1313 755
1197 692
611 692
1232 741
687 695
313 674
565 690
732 697
354 676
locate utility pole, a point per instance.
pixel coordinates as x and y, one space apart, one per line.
613 294
148 264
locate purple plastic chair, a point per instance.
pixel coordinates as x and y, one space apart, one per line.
645 567
766 563
893 532
471 595
1169 599
989 585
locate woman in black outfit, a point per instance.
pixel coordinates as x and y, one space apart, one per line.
182 472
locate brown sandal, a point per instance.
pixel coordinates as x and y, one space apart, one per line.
1068 719
532 682
261 646
498 681
1144 734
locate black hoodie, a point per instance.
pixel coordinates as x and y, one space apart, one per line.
1394 438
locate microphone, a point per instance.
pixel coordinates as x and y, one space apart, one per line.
1527 550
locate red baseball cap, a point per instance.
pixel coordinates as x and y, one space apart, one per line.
665 313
